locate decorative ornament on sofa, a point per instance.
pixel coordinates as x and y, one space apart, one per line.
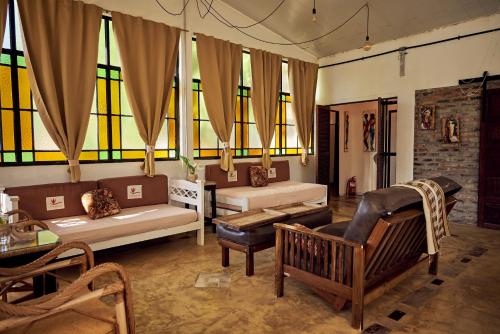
450 130
427 117
369 122
134 191
271 173
346 131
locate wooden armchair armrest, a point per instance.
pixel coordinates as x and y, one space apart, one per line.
26 215
75 294
29 225
41 265
324 236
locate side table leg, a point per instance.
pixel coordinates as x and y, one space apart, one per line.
225 256
250 265
213 203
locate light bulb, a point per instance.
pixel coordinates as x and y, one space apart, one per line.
314 15
367 45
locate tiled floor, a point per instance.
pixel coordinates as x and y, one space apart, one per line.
164 273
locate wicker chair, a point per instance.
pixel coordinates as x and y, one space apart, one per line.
77 307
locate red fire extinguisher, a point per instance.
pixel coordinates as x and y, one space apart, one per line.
350 189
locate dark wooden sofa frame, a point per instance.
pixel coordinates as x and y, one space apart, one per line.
340 270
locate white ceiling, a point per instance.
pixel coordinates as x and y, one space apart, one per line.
389 19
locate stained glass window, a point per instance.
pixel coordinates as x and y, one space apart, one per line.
245 139
111 135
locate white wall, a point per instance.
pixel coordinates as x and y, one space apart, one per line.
356 162
11 176
427 67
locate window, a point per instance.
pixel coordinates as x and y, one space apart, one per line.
111 135
245 141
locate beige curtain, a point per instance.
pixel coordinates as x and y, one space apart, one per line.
220 64
148 52
3 17
303 77
61 43
266 77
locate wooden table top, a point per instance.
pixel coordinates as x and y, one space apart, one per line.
44 241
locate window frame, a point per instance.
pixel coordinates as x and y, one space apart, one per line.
14 53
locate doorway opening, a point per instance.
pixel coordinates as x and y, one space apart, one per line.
357 139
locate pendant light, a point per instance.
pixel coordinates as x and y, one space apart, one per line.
368 44
314 11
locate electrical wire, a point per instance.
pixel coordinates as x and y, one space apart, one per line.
210 9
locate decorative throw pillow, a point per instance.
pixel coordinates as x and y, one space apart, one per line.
100 203
258 176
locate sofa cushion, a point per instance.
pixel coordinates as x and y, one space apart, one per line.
54 200
132 191
258 176
214 173
128 222
100 203
278 193
378 203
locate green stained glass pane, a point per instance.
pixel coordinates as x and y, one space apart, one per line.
27 156
21 61
245 152
101 59
5 59
101 72
196 154
208 139
131 138
247 70
9 157
245 92
91 141
284 78
116 155
194 57
195 86
103 155
115 74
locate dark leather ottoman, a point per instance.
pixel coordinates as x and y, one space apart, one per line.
262 237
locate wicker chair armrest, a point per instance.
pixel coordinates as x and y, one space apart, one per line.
71 295
26 215
86 260
28 225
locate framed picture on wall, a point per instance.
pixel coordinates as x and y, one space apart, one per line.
427 117
346 131
450 130
369 122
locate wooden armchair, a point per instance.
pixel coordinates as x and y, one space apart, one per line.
340 270
77 307
16 280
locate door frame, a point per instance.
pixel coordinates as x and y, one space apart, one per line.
333 187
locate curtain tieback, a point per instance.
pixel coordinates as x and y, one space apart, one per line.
73 162
150 149
265 151
225 145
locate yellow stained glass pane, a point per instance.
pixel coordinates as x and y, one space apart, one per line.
8 130
272 151
26 131
210 153
196 114
115 97
196 134
283 137
133 154
49 156
245 110
277 115
238 114
89 155
115 123
161 154
254 152
238 135
171 105
245 135
171 134
291 151
103 132
24 89
101 96
283 111
5 87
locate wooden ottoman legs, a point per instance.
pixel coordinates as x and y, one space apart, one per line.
248 250
225 256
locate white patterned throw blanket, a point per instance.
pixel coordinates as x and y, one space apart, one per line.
434 203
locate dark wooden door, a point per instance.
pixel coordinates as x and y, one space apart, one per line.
323 148
489 161
384 144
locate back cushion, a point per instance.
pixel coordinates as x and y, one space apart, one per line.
132 191
214 173
55 200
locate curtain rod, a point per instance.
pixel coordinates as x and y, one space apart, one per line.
413 47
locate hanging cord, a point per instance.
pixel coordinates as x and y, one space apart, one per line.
210 9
